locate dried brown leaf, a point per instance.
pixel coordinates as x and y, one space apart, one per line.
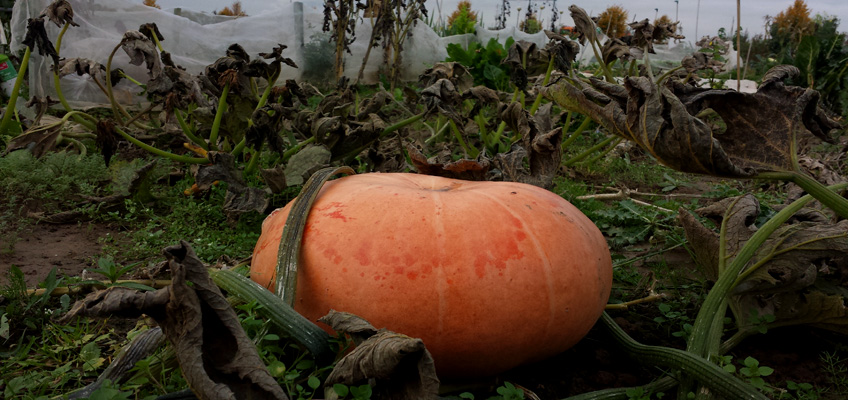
59 12
400 366
761 128
802 279
217 358
142 51
465 169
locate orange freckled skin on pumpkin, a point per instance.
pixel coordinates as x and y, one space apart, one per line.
488 281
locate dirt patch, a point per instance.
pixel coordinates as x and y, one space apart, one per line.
41 247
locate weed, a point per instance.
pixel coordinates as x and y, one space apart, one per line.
672 314
754 372
836 369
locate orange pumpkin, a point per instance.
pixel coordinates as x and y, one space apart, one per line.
491 275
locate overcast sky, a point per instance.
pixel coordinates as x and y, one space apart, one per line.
698 18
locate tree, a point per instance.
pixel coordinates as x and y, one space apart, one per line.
663 19
234 10
152 3
462 20
792 24
613 21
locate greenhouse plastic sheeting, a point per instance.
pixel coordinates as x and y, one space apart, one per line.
195 40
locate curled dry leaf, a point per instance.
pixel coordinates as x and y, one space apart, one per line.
761 128
522 57
267 123
616 49
698 61
41 106
151 30
59 12
563 49
36 39
374 104
82 66
142 51
400 366
240 198
217 358
584 27
38 142
442 97
452 71
107 139
444 166
261 69
802 279
540 145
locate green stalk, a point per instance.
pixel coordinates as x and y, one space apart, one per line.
156 40
265 94
604 66
273 309
577 132
603 153
588 152
189 132
701 329
10 106
708 374
254 160
668 73
502 125
826 196
219 114
116 108
472 152
161 153
538 101
294 149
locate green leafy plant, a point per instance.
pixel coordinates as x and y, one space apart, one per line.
362 392
484 62
754 372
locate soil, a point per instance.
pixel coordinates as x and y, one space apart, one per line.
70 248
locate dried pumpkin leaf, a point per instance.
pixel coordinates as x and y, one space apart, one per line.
801 279
60 12
357 328
761 128
151 30
452 71
400 366
38 142
36 38
275 178
107 139
240 198
465 169
217 358
142 51
41 106
584 27
540 142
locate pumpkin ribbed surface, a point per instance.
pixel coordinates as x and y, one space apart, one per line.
491 275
